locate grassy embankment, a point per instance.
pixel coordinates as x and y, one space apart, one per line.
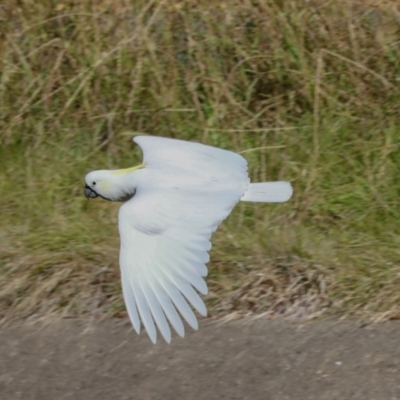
310 93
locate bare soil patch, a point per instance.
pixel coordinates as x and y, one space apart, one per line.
237 360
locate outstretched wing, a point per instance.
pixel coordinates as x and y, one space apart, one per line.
165 230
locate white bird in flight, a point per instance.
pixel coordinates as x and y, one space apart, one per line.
173 202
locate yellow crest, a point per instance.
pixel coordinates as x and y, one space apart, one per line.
127 170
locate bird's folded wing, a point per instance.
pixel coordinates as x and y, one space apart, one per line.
195 159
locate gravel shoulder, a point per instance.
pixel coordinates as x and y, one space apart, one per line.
237 360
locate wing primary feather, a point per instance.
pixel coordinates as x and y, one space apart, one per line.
130 303
180 281
168 307
179 301
190 294
144 310
193 298
194 279
146 283
188 271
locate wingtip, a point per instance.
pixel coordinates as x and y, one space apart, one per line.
153 339
168 340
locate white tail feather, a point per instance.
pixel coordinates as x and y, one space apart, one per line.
268 192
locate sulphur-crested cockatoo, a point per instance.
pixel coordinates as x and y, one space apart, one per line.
173 202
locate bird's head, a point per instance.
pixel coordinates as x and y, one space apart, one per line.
113 185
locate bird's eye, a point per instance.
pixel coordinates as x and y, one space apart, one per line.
94 183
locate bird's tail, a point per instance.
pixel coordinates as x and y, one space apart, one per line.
268 192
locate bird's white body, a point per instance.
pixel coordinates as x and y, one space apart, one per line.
175 201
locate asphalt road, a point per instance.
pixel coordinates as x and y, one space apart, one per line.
237 360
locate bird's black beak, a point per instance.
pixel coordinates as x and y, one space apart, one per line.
89 192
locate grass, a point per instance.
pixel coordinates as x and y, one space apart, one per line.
307 90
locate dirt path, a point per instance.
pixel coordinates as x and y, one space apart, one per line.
256 360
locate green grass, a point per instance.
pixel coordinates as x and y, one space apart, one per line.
308 91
